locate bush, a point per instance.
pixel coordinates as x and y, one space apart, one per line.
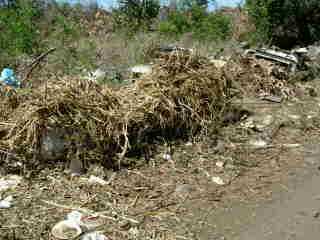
177 24
286 23
136 14
29 27
18 29
203 25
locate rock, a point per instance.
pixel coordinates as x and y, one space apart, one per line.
53 144
76 167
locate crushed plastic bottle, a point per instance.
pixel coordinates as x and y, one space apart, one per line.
8 77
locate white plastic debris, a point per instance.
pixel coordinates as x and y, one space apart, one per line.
97 180
75 216
94 236
258 143
9 182
67 229
167 157
141 70
6 202
96 75
218 180
220 164
218 63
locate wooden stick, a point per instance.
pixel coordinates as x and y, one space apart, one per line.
36 62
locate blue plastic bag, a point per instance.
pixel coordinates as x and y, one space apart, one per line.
8 78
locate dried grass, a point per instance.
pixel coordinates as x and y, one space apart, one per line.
183 93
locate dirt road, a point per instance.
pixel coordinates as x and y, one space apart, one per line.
292 214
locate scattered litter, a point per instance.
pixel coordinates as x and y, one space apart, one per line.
75 216
89 223
218 63
9 182
69 228
258 143
167 157
6 202
294 117
140 70
258 123
220 164
291 145
188 144
272 98
66 229
218 180
97 180
291 60
172 48
94 236
8 78
96 75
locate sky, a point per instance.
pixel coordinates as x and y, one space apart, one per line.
112 3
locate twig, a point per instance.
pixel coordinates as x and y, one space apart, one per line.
84 210
36 62
88 211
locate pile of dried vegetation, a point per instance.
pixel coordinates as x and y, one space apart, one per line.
184 94
259 77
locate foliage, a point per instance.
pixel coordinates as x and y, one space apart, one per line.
18 31
203 25
184 5
286 22
30 27
136 13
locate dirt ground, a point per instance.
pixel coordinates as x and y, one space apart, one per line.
267 164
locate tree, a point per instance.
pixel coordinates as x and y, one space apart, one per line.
188 4
286 23
139 11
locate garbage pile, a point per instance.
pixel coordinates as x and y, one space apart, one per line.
270 73
92 122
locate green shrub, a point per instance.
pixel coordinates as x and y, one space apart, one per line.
18 29
136 14
203 25
177 24
286 23
214 27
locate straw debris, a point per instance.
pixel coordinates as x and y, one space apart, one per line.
183 94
